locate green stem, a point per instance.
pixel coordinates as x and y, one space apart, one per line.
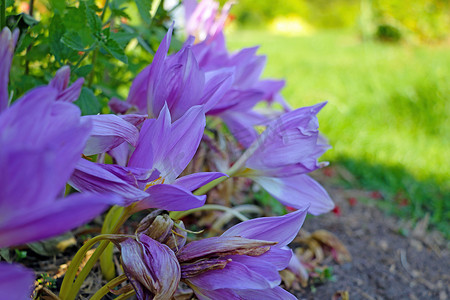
76 261
107 287
69 291
204 189
176 215
126 295
102 17
106 259
2 14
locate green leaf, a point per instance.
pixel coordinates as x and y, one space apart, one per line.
57 5
56 32
115 50
144 7
73 40
83 71
88 102
94 21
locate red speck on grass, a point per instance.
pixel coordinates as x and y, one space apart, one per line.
337 210
376 195
403 202
352 201
329 172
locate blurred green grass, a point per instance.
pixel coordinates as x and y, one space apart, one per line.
388 112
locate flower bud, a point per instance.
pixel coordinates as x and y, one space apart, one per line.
159 226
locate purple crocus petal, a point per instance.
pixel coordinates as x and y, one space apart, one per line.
7 45
72 93
134 119
193 181
61 81
226 278
152 142
296 267
170 197
138 93
48 140
271 88
108 132
121 154
16 281
242 125
89 176
237 100
277 293
251 67
155 71
292 139
178 146
118 106
259 266
298 191
281 229
278 257
220 294
54 218
151 267
217 84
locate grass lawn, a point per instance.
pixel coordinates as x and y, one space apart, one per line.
388 116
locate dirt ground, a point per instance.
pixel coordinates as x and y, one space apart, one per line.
385 263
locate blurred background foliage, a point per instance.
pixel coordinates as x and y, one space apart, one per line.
384 68
424 20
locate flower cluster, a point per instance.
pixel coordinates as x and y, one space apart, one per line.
135 159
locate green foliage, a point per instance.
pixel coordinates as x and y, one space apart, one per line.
387 116
98 43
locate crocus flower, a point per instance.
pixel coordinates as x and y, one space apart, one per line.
150 179
61 83
7 44
16 282
176 80
203 19
242 263
41 142
283 154
151 267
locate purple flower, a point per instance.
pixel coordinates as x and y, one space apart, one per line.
244 262
151 267
41 142
284 153
203 19
163 150
16 282
176 80
7 44
61 83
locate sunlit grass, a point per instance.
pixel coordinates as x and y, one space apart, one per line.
388 112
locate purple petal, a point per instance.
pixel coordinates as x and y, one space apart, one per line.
93 177
182 143
119 106
151 267
278 257
108 132
61 79
121 154
7 45
204 294
259 265
217 84
171 197
49 219
192 182
277 293
71 93
16 282
242 125
298 192
234 276
281 229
